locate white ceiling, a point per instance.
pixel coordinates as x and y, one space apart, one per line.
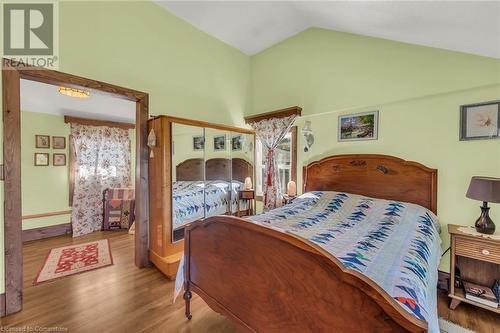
465 26
45 98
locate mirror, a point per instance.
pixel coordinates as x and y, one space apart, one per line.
188 177
242 175
217 172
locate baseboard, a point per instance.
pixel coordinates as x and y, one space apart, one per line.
443 281
2 305
46 232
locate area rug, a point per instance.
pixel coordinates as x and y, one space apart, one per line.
75 259
446 326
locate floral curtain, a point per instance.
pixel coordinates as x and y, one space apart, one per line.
102 160
271 132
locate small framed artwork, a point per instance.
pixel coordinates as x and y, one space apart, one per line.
58 142
198 142
59 159
359 126
42 141
480 121
236 142
220 142
41 159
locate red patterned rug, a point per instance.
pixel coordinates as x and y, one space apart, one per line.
74 259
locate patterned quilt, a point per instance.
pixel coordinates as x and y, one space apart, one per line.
363 234
191 197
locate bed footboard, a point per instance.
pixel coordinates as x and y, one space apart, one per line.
268 281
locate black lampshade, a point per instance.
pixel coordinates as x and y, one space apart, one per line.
484 189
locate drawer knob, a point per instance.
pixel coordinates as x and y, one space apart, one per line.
485 252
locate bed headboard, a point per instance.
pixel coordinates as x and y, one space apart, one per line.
215 169
378 176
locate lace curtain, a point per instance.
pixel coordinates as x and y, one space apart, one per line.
271 132
102 160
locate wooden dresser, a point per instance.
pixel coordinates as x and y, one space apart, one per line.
478 259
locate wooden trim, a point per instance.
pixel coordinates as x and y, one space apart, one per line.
12 191
46 232
12 72
274 114
200 123
142 183
2 305
36 216
97 122
69 80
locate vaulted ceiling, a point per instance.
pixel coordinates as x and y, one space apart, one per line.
465 26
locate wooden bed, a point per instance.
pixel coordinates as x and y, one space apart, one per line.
268 281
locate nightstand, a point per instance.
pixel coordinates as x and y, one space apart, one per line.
478 259
249 197
288 199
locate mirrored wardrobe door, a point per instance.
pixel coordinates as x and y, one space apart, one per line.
188 176
217 172
242 180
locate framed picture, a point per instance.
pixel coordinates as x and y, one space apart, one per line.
236 142
220 142
42 141
59 159
480 121
198 142
359 126
59 142
41 159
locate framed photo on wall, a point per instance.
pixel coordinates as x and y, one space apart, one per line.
480 121
42 141
58 142
220 142
236 143
59 159
198 142
358 126
41 159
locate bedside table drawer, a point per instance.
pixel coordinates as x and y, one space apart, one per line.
246 194
477 250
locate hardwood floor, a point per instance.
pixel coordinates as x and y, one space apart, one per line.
123 298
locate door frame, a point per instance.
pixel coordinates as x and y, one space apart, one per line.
12 73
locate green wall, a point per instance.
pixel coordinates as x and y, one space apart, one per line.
141 46
44 189
418 91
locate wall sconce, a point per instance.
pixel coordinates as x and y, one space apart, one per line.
308 135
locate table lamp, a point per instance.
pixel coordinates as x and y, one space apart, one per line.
485 189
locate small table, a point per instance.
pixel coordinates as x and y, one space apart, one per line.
478 259
248 196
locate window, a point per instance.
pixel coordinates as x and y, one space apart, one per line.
286 157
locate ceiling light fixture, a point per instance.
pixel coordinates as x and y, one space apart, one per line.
73 92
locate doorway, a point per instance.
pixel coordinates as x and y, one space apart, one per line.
12 73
